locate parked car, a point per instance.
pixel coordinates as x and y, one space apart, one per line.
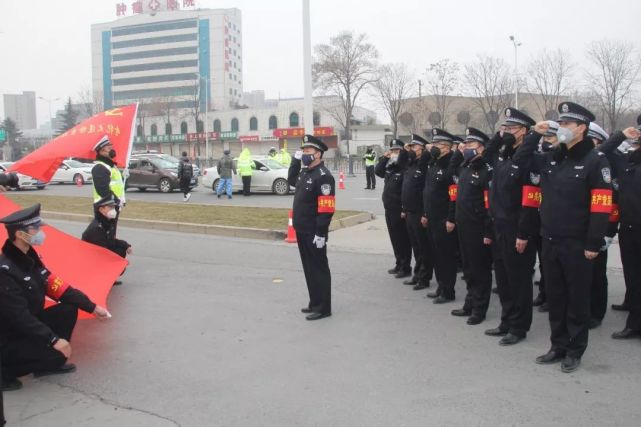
154 172
268 176
165 157
74 172
24 181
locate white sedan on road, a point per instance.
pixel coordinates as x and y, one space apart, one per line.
73 172
269 175
24 181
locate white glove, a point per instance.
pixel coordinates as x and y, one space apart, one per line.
608 242
319 242
298 154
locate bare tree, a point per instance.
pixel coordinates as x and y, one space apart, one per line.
345 67
394 85
613 80
442 81
489 82
549 75
92 101
195 109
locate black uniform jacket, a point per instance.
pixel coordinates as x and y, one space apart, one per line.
413 182
392 174
576 190
439 190
314 199
102 232
473 182
24 282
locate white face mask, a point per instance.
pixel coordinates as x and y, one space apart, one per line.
112 214
564 135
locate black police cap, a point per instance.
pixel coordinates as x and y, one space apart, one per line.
440 135
516 117
312 141
573 112
396 143
417 140
29 217
639 122
473 134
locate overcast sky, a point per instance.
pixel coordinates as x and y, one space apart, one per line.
45 44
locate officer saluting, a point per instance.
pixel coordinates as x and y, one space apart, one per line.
576 205
314 206
32 338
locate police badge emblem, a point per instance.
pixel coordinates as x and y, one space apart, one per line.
434 132
565 108
535 178
508 113
467 132
605 172
455 179
326 189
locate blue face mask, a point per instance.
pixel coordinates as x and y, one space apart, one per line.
469 154
307 159
38 238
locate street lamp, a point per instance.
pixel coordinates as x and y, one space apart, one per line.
516 71
49 101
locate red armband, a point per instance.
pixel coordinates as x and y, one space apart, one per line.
486 199
326 204
56 287
531 196
453 190
601 201
614 215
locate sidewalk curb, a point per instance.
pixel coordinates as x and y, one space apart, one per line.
214 230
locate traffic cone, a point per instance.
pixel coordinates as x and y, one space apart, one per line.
341 180
291 233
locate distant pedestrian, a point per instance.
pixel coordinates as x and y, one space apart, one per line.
370 163
225 169
185 174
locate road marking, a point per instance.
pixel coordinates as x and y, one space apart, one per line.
365 198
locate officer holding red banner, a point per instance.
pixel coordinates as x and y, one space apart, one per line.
576 206
34 339
514 207
314 206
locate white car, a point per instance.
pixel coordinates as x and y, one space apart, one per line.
24 181
74 172
269 175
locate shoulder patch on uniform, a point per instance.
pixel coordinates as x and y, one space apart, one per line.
615 184
488 166
322 172
4 267
326 189
455 179
605 172
600 153
535 178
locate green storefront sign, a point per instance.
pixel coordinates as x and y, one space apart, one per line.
156 139
3 135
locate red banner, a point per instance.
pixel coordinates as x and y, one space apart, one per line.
601 201
300 132
87 267
326 204
79 141
453 191
531 196
486 199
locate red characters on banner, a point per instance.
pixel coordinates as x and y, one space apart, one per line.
453 191
601 201
532 196
486 199
56 287
326 204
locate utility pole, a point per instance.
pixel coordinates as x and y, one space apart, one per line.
516 71
49 101
420 86
307 70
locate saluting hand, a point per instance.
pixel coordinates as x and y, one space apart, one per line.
632 133
542 127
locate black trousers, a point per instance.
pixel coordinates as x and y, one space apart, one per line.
568 276
539 250
247 182
420 245
317 274
513 272
184 185
370 177
400 239
24 355
477 267
444 250
630 245
599 288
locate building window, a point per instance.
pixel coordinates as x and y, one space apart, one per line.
139 130
154 130
167 128
253 123
183 128
293 120
317 118
199 126
231 92
234 125
273 122
216 125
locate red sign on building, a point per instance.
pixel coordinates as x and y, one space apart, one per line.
249 138
300 132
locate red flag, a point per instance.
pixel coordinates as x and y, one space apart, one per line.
87 267
79 141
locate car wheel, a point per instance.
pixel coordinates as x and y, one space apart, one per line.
164 185
280 187
78 179
214 186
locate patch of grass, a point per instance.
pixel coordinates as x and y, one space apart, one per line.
236 216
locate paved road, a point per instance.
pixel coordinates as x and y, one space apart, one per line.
354 197
207 332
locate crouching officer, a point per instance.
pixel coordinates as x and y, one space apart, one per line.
314 206
32 338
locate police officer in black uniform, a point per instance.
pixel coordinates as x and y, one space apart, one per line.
473 224
391 170
314 206
514 207
438 192
412 200
627 173
34 339
576 206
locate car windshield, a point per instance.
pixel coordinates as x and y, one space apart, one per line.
163 163
77 164
273 164
168 158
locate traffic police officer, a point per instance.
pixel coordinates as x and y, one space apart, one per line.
438 192
370 162
107 179
412 200
627 172
473 224
314 206
32 338
514 204
391 170
577 202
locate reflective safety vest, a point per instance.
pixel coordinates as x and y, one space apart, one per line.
116 184
245 166
284 158
370 159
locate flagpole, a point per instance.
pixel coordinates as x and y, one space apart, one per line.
131 146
